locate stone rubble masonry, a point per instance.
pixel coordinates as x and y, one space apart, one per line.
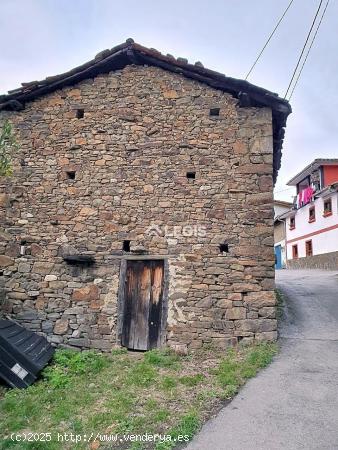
143 129
326 261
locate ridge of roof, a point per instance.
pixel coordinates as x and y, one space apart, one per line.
129 53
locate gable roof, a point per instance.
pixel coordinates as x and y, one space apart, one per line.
132 53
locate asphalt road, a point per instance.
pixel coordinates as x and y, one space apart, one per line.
293 404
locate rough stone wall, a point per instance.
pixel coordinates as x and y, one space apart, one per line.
327 261
143 129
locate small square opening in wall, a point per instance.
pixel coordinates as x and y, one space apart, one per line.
214 111
71 174
191 175
23 243
224 248
80 113
126 246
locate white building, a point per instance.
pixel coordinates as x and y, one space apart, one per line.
312 226
280 208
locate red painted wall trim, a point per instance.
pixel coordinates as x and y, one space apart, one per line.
323 230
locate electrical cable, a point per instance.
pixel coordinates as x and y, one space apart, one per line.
309 49
303 49
269 39
283 190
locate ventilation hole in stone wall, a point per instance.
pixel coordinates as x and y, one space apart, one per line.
126 246
191 175
71 174
79 260
23 243
214 111
224 248
80 113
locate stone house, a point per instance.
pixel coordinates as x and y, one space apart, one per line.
140 211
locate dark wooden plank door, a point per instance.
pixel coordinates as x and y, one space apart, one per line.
143 296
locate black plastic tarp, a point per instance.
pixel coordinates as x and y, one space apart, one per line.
23 354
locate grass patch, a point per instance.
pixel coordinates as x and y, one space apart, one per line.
234 370
182 432
69 364
163 358
153 392
192 380
168 383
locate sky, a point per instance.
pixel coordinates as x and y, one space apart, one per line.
39 38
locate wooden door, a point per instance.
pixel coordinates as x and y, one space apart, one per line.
143 296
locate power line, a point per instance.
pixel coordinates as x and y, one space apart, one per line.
283 190
269 39
303 49
309 49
